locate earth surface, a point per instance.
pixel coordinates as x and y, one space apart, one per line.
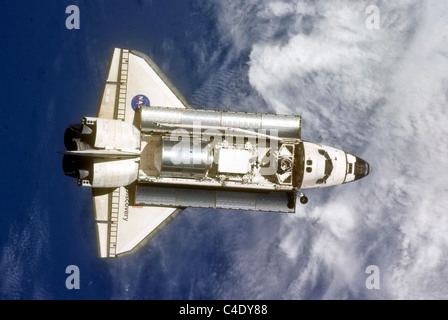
372 81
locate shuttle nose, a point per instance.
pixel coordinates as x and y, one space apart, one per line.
362 168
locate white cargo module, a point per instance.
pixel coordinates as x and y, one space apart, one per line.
148 154
233 161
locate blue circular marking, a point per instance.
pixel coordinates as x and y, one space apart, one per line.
139 101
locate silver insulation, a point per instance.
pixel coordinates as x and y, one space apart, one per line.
152 117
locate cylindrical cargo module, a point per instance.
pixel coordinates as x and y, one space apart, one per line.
184 159
153 118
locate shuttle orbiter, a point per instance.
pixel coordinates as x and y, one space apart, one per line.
148 154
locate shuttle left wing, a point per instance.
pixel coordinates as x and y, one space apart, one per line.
134 80
122 227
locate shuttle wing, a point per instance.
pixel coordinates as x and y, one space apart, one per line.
133 80
121 227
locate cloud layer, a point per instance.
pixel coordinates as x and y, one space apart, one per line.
380 94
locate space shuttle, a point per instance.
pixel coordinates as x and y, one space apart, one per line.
148 154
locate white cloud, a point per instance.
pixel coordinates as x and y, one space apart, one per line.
380 94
